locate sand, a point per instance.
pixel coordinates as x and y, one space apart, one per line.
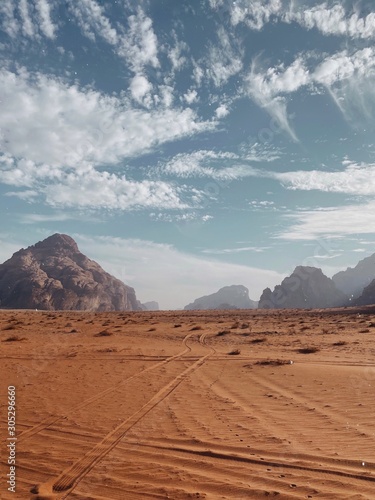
190 405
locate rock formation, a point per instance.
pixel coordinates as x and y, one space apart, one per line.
235 296
306 288
368 296
55 275
353 281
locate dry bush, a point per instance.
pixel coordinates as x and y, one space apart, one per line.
152 329
274 362
194 328
235 325
14 338
234 352
340 343
364 330
308 350
222 332
258 341
303 328
103 333
244 325
177 326
8 327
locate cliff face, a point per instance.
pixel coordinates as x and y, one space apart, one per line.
305 288
353 281
228 297
55 275
368 296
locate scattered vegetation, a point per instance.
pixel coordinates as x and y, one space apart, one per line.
177 326
340 343
194 328
274 362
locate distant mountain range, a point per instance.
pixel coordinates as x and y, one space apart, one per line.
54 274
228 297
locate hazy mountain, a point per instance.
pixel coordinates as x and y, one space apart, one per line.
234 296
355 279
150 306
306 287
54 274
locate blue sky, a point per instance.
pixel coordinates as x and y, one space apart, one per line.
190 145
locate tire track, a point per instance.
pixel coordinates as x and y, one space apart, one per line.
26 434
61 487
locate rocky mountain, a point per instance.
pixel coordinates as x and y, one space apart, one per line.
353 281
368 295
307 287
54 274
228 297
150 306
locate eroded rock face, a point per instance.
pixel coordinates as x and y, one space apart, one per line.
152 305
368 296
234 296
307 287
55 275
353 281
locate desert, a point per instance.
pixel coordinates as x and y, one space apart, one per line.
190 404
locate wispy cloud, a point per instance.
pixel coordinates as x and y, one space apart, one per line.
355 179
91 18
333 222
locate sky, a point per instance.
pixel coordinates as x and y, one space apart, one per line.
189 145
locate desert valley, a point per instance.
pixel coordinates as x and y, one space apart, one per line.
191 404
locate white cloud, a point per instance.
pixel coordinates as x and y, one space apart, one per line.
162 273
44 120
348 77
223 60
178 60
92 20
140 87
191 96
333 222
140 45
205 163
226 251
9 22
333 20
255 14
27 24
356 179
222 111
45 22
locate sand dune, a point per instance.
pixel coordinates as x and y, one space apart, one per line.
179 405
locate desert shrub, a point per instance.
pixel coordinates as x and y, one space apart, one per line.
274 362
258 341
103 333
177 326
9 327
308 350
235 325
341 342
152 329
244 325
222 332
194 328
14 338
234 352
364 330
305 327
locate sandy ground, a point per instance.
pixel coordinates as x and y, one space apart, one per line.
190 405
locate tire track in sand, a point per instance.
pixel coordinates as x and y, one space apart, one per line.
44 424
61 487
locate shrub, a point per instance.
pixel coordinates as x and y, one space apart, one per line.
194 328
235 352
222 332
103 333
14 338
308 350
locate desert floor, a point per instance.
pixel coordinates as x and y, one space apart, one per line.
187 405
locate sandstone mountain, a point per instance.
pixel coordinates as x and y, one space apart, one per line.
353 281
228 297
368 296
306 288
54 274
